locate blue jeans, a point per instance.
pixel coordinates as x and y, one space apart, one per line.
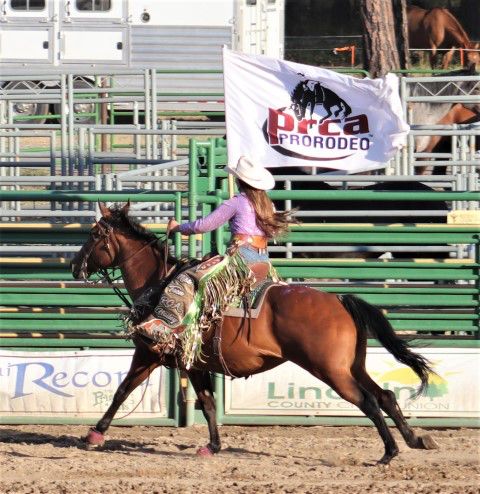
251 255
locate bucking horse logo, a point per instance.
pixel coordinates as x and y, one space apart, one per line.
309 93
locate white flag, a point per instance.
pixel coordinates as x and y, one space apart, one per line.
282 113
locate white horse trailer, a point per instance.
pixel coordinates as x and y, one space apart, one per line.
84 37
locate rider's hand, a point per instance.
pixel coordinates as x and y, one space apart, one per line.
173 226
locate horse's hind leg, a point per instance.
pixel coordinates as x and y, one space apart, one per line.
202 384
349 389
143 364
388 403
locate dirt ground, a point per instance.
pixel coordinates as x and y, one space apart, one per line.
340 460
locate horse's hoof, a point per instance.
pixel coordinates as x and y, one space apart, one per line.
387 458
204 451
428 442
384 462
94 438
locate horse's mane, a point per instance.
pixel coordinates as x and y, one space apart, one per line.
120 219
298 91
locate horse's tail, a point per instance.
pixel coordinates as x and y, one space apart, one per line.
370 318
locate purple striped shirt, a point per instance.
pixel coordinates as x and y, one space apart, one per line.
238 211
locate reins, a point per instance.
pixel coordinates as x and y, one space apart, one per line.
165 270
114 287
123 298
106 230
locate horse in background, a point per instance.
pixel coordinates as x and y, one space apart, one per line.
438 29
438 113
458 114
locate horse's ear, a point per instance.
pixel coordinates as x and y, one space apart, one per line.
103 209
126 208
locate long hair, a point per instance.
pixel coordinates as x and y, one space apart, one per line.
272 223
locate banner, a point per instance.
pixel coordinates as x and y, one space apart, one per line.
289 390
282 113
75 384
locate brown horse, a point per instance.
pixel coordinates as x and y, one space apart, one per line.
323 333
458 114
439 29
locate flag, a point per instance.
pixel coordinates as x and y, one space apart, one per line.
281 113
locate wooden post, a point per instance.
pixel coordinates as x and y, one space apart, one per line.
381 53
401 32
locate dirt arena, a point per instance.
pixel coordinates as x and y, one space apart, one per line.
52 459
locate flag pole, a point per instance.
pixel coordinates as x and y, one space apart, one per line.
231 186
230 180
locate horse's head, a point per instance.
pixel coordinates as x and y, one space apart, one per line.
472 58
473 87
102 247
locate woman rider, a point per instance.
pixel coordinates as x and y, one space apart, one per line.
251 214
185 311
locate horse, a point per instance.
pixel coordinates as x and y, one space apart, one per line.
308 93
427 113
323 333
458 114
438 29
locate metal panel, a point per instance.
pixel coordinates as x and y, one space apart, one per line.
69 13
174 47
103 46
187 13
25 44
26 16
275 29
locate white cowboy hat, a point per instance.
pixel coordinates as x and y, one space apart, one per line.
255 175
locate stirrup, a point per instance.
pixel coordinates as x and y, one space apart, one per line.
151 326
162 337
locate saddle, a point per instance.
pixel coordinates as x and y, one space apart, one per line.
196 299
250 307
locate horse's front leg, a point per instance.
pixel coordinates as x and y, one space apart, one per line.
327 116
202 384
447 58
143 364
433 56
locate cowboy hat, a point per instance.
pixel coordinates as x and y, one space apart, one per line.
255 175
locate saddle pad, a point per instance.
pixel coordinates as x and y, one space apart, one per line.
257 298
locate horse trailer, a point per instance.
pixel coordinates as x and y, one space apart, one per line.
86 37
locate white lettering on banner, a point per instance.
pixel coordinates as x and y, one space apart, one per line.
281 113
289 390
74 383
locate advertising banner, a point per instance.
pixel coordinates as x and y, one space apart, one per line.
281 113
289 390
78 384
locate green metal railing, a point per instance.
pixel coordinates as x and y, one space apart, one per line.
444 294
437 305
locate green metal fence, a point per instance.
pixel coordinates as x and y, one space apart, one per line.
42 308
426 297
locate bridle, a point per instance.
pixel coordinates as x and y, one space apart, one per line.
105 230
